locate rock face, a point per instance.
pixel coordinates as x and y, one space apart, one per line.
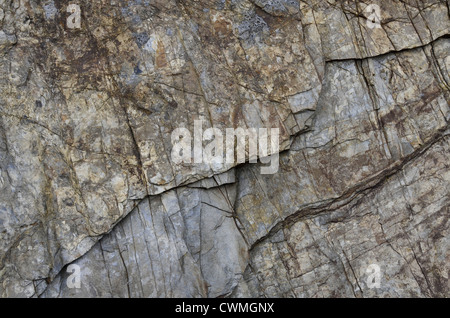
359 206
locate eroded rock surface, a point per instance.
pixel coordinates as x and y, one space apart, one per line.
87 177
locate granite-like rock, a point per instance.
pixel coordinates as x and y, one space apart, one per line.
88 181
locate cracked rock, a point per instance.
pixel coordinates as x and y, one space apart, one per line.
88 180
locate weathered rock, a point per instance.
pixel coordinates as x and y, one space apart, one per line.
400 223
183 243
87 177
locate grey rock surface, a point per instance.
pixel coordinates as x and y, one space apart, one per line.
87 178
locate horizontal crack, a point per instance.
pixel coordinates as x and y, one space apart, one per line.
445 36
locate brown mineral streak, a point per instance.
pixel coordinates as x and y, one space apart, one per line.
160 59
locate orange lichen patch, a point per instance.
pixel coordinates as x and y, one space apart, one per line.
160 60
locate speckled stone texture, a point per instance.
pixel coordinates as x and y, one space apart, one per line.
87 177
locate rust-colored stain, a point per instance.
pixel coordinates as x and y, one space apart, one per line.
222 27
160 60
